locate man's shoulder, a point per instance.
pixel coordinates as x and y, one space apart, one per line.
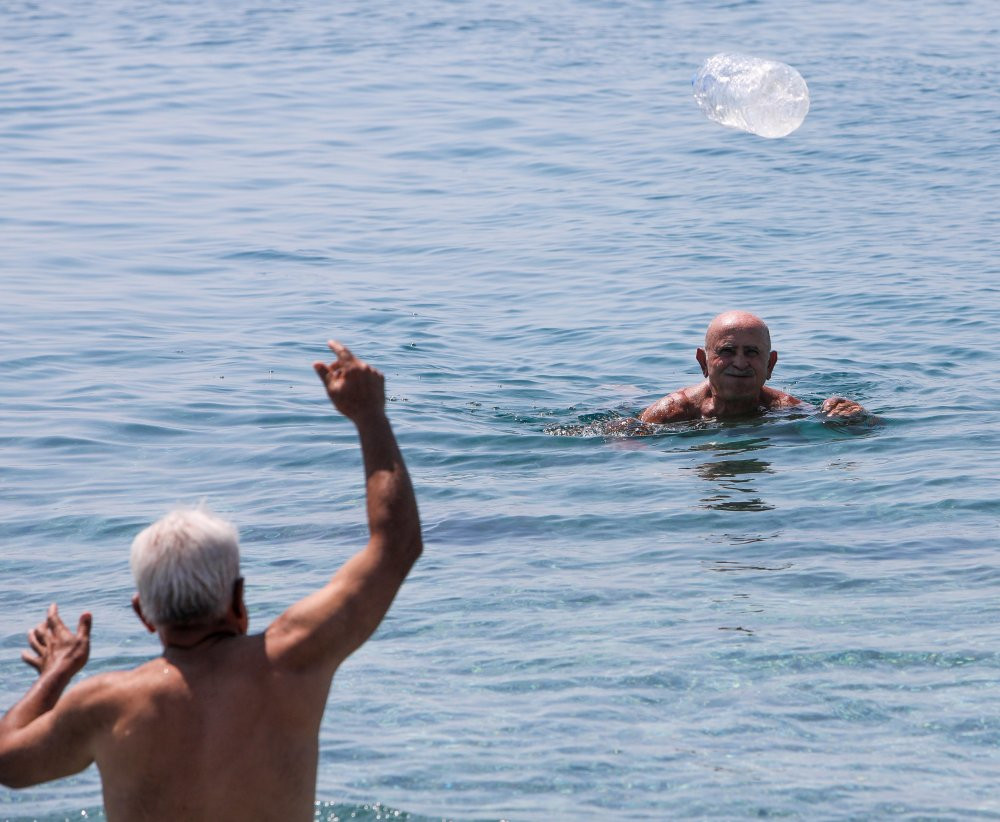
678 406
159 678
773 398
109 686
96 701
114 689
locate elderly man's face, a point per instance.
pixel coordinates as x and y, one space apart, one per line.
737 361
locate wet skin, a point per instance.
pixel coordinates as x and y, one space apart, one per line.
223 725
737 361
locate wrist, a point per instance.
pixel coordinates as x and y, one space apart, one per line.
373 420
57 674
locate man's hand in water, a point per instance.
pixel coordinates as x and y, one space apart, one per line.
841 407
355 388
56 648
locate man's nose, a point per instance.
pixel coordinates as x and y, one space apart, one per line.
740 360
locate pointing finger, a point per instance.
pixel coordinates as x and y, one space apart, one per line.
53 619
83 628
342 351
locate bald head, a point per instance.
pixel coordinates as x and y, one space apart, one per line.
737 321
737 358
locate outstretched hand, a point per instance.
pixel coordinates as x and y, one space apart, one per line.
56 647
355 388
841 407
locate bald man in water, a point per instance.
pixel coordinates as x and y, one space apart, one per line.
223 724
737 360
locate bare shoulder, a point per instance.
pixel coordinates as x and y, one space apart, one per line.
100 698
774 399
675 407
61 741
118 693
93 692
309 635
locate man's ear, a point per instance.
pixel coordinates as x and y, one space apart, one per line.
771 360
137 607
702 361
239 606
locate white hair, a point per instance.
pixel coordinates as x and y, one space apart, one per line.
184 566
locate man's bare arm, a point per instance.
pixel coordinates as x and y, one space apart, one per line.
39 740
330 624
675 407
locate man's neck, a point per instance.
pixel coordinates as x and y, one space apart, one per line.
189 637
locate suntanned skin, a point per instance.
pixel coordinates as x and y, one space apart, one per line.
737 360
223 725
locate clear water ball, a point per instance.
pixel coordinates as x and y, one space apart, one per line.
764 97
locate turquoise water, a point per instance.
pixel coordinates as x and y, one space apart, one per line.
518 212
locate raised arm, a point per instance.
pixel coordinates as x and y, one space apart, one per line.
40 738
327 626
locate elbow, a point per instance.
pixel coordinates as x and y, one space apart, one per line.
415 548
19 767
7 776
415 543
11 776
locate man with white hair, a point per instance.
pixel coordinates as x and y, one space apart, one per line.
222 725
736 361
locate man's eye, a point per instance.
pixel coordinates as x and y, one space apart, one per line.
725 351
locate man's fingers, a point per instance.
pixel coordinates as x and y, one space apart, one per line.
83 628
342 351
330 375
52 619
33 661
841 407
36 639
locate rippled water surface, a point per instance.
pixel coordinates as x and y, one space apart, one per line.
518 212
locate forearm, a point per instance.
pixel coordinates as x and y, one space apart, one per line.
392 507
40 698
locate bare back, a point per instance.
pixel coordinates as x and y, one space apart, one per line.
216 732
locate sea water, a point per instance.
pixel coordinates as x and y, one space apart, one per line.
516 212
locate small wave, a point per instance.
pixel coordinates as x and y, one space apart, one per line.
273 255
366 812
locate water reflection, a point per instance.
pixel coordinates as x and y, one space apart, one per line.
724 565
734 484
